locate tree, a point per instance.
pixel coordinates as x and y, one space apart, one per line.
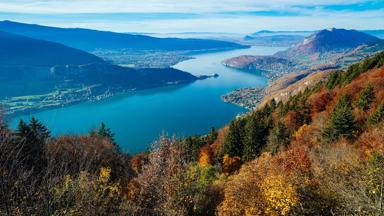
212 136
105 132
190 148
277 139
367 96
234 141
378 115
256 132
31 139
342 123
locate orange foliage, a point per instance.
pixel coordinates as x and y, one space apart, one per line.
304 136
218 144
262 187
371 142
231 164
205 156
137 162
320 100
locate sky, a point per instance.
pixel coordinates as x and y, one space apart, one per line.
171 16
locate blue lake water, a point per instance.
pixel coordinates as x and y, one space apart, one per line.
139 119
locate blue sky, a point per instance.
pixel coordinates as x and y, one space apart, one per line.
235 16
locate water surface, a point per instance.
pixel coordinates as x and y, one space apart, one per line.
139 119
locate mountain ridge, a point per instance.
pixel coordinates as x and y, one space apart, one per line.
89 40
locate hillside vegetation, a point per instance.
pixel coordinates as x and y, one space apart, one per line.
319 153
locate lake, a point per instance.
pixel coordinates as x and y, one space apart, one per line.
139 119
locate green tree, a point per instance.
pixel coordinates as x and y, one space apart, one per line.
190 148
367 96
256 132
31 140
212 136
342 122
378 115
277 138
234 141
103 131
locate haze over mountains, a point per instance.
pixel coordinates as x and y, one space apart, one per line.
37 74
322 47
321 51
19 50
89 40
329 40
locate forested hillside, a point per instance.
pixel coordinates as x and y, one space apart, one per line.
89 40
319 153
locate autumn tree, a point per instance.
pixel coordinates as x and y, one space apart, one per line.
190 148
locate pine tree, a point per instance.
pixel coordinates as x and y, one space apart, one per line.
367 96
233 144
342 122
378 115
105 132
31 140
212 136
256 132
39 131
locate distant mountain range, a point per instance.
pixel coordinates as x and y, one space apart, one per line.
89 40
328 48
289 38
19 50
329 40
37 74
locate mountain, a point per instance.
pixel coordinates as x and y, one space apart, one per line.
37 74
274 40
322 50
89 40
329 40
259 63
20 50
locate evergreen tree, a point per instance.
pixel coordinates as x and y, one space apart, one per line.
378 115
367 96
39 131
233 144
31 140
342 122
212 136
105 132
190 148
333 80
256 132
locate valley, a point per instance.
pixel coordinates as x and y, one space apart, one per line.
180 110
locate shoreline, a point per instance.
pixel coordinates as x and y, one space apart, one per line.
108 94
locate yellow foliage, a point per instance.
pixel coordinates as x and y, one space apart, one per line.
300 131
279 195
231 164
105 174
204 159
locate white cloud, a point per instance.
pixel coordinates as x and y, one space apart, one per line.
199 6
306 14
